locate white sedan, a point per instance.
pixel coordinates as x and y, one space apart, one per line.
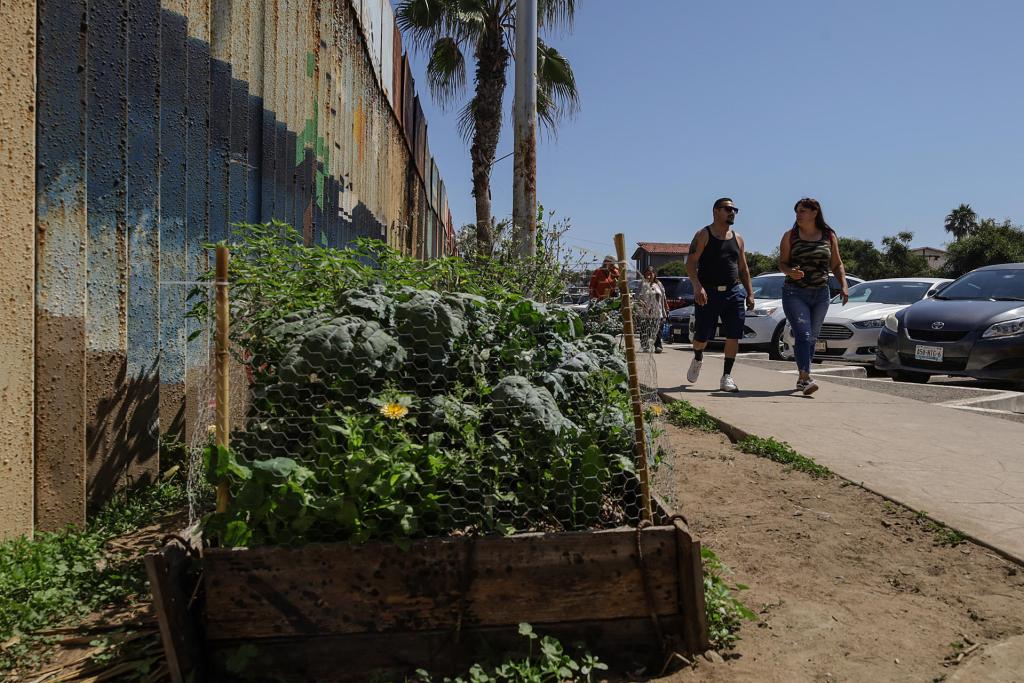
850 332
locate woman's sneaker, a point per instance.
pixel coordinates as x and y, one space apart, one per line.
801 384
810 387
694 372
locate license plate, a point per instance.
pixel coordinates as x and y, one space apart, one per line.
932 353
820 346
677 330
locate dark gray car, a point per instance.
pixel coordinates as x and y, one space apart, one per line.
973 328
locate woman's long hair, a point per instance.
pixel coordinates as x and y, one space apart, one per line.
819 219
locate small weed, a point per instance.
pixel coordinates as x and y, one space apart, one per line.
551 663
782 452
684 414
725 612
945 536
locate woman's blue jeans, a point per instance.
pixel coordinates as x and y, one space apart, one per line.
805 309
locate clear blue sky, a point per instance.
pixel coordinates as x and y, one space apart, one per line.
891 113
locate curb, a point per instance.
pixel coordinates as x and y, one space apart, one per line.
737 434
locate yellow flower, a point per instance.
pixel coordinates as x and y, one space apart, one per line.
211 430
394 411
657 409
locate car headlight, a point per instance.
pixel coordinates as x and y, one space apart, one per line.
868 324
762 312
1007 328
891 323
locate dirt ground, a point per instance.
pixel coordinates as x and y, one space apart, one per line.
847 586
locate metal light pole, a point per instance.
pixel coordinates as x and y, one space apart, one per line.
524 183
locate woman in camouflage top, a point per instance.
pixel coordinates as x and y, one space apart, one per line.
808 252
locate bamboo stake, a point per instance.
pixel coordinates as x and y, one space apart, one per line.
640 441
223 413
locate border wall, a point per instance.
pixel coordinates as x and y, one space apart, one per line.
136 131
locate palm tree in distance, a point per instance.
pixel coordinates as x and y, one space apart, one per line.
448 30
961 221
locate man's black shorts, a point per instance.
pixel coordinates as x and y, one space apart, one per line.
729 305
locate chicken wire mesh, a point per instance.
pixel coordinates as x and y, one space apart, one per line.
392 411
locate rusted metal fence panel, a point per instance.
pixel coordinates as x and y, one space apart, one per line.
60 417
387 62
106 288
17 277
173 238
160 123
197 191
142 381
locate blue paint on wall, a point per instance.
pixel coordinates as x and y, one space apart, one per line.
173 193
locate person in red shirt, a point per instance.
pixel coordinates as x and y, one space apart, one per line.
604 280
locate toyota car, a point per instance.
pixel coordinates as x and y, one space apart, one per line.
974 327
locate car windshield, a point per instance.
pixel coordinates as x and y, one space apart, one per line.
768 287
987 285
883 292
677 288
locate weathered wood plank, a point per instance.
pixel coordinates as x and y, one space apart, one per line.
167 572
691 589
438 584
625 644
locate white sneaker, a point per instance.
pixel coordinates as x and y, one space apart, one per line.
810 387
728 384
694 372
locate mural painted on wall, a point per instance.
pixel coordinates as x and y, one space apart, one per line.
159 125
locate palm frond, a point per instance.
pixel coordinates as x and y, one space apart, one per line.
467 121
446 71
421 21
557 95
556 13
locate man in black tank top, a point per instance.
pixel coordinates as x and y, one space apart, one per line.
717 265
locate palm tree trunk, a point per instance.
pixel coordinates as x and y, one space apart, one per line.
491 63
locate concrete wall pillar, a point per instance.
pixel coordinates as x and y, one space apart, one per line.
17 276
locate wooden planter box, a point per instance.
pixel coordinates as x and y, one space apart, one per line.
335 612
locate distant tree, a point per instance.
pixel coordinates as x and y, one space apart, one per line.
449 30
990 243
673 268
762 263
861 258
961 222
899 261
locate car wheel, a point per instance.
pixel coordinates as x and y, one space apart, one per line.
914 377
778 345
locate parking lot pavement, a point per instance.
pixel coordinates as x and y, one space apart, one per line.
998 399
964 468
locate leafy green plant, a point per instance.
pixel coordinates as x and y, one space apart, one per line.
779 451
57 576
682 413
725 612
414 399
550 664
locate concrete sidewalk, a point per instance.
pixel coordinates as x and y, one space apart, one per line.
964 469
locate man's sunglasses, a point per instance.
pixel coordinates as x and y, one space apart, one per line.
732 209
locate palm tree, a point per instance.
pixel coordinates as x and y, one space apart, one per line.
961 221
448 29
